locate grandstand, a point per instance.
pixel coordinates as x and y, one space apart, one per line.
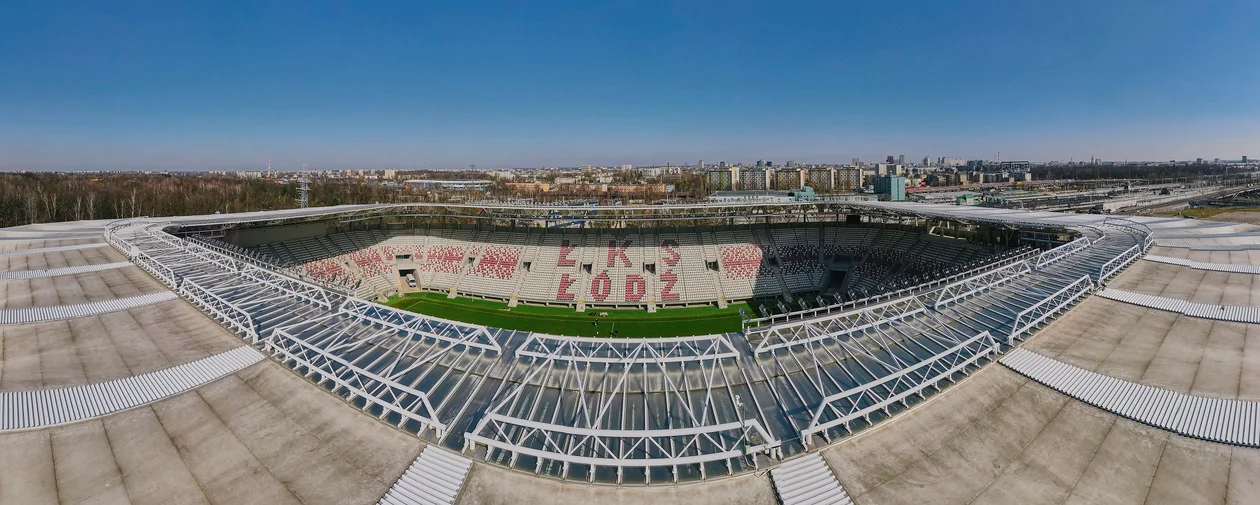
627 268
245 359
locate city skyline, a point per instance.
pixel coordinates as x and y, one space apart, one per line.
498 85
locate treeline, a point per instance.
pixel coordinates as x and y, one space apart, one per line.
1150 173
27 198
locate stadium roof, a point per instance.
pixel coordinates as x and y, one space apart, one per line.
142 367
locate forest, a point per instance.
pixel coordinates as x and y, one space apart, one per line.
1149 173
42 197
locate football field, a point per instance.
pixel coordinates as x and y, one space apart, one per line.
566 321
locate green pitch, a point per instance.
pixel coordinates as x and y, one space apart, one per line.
566 321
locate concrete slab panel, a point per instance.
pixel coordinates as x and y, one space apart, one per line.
1191 472
313 472
1244 476
491 485
378 449
86 472
107 346
1048 467
1122 467
224 467
880 455
27 474
152 468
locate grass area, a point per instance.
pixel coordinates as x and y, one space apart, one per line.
566 321
1202 212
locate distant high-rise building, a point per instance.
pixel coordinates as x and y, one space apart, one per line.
901 159
1198 161
1244 159
927 161
769 164
890 159
761 163
700 164
721 164
857 162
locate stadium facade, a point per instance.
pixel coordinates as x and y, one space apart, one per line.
890 314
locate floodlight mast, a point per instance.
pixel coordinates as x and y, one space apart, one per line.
304 188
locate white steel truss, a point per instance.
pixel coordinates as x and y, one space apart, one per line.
843 408
920 288
1063 251
372 356
1128 224
1050 306
415 325
328 362
980 283
637 403
623 449
243 257
637 351
834 371
304 291
575 407
226 312
1112 267
834 326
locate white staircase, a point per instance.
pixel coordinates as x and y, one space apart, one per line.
808 480
435 477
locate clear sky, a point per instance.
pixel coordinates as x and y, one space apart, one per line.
175 85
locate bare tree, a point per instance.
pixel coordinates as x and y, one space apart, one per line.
32 208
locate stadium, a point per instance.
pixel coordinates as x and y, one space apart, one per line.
740 352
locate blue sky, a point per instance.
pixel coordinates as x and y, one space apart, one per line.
191 85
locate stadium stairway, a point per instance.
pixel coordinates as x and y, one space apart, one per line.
808 480
435 477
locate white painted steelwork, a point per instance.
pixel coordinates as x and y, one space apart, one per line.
798 333
1058 253
41 250
50 407
1201 265
627 350
1049 307
56 312
1214 419
808 480
879 395
434 478
1111 268
1193 309
54 272
980 283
